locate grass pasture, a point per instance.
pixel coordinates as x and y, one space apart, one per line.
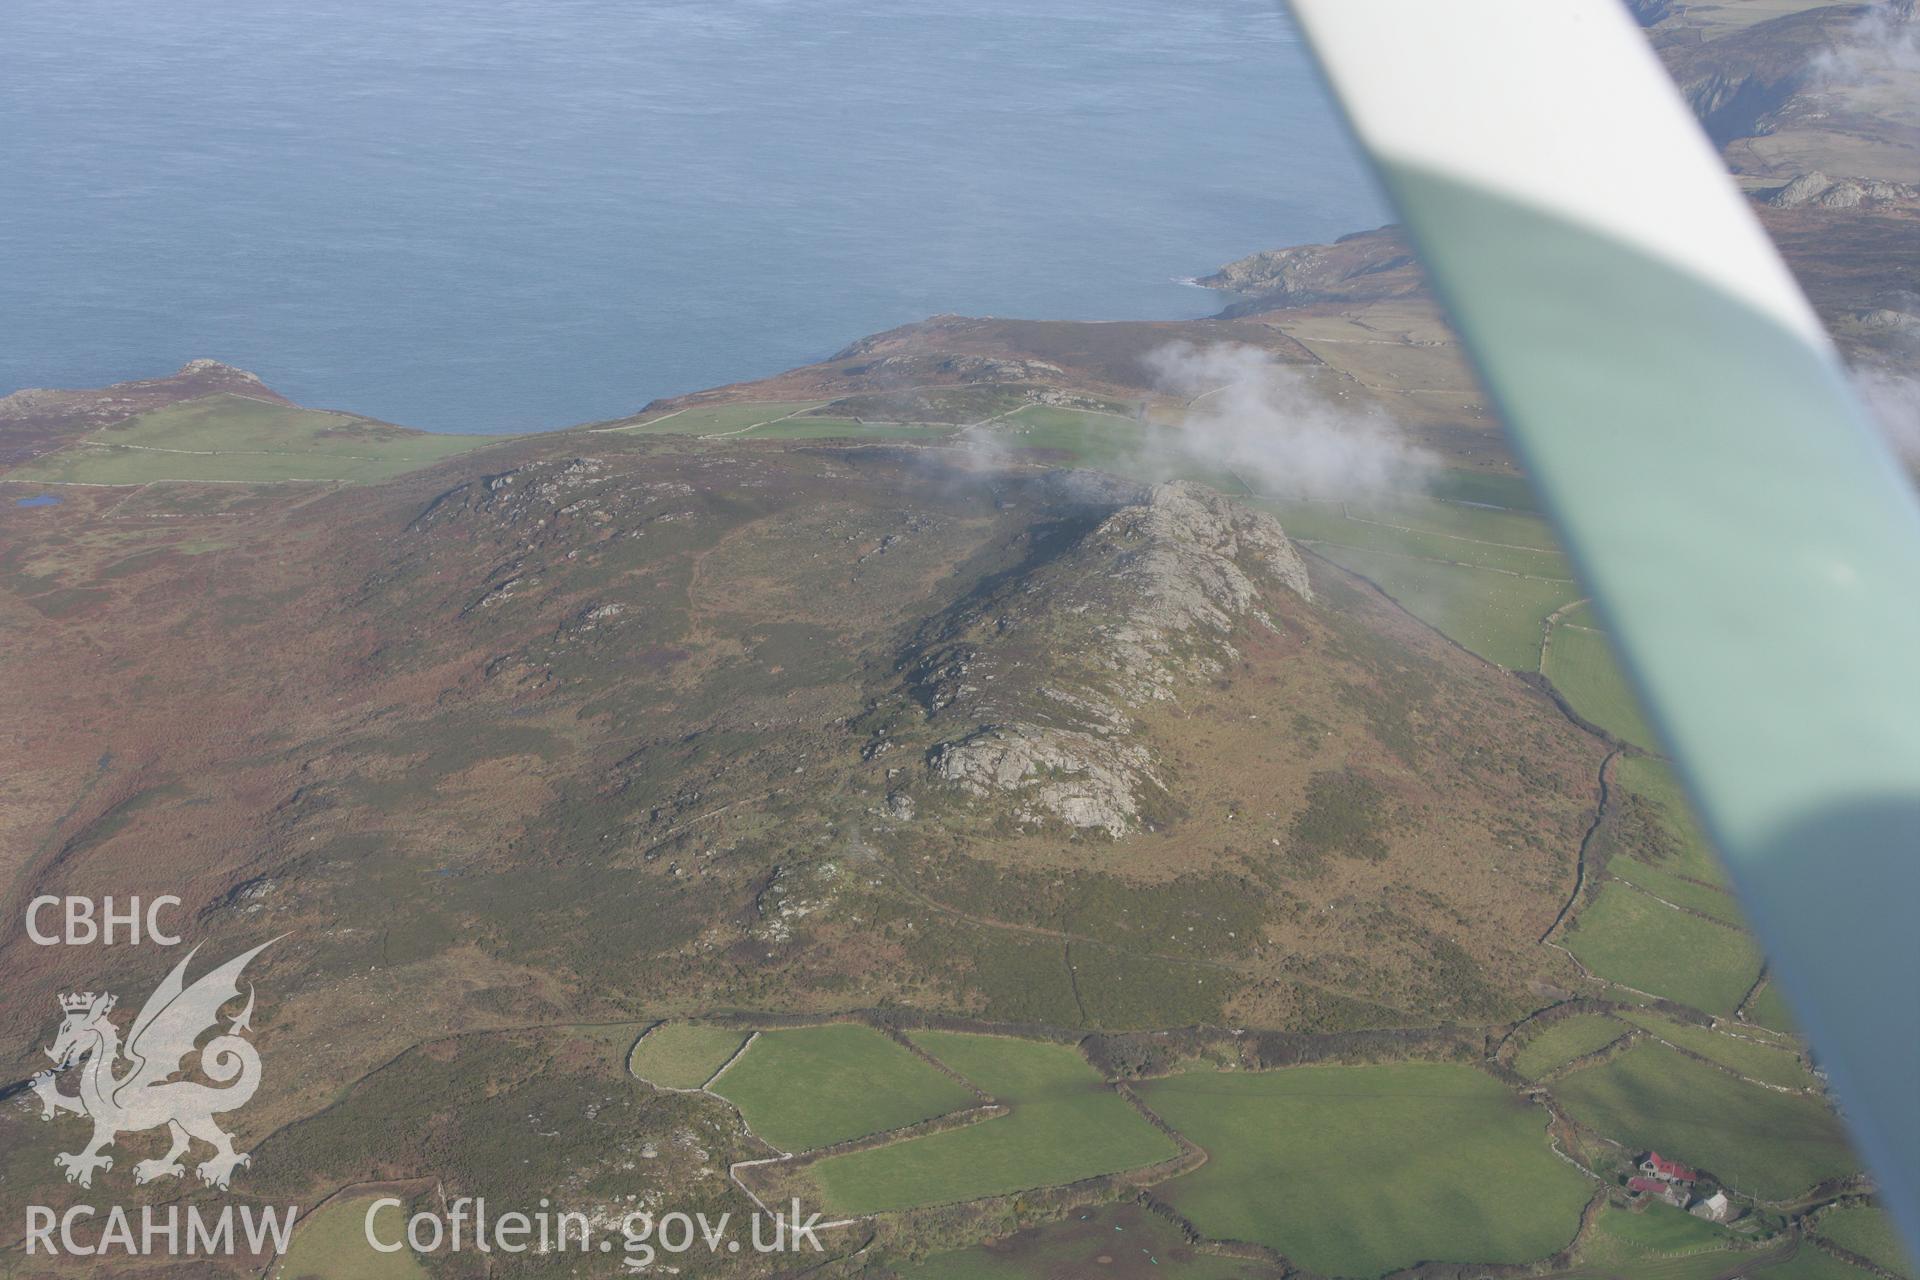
1660 1228
1103 441
1581 664
821 428
1054 417
1064 1125
810 1087
1355 1171
1869 1232
1385 530
1767 1144
1625 936
1484 489
1657 1243
716 419
1769 1064
332 1245
1558 1043
229 438
1769 1009
682 1055
1496 615
1810 1262
1717 904
1474 522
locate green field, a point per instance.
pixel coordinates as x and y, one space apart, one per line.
1658 1243
682 1055
1354 1171
231 438
1483 489
1104 442
1625 936
1812 1263
811 428
1581 665
1766 1063
1660 1228
717 419
1716 904
1868 1232
1485 576
1496 615
1514 527
332 1245
1049 417
1469 536
1558 1043
1767 1144
1065 1124
1769 1009
814 1086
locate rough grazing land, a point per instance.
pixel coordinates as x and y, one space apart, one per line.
1354 1171
1114 1242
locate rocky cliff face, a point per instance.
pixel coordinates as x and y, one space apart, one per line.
1030 689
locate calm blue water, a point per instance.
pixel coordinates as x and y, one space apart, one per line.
490 216
37 500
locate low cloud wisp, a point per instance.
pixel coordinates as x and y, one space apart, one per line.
1893 399
1885 42
1257 417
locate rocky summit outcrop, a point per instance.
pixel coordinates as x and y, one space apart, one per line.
1817 190
1030 688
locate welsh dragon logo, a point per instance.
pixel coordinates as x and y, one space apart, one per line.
142 1096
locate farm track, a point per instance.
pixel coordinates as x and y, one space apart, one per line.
223 453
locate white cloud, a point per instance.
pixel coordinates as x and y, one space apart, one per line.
1894 401
1252 414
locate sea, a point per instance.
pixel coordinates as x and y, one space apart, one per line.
504 215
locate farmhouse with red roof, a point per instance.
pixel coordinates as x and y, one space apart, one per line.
1667 1170
1671 1192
